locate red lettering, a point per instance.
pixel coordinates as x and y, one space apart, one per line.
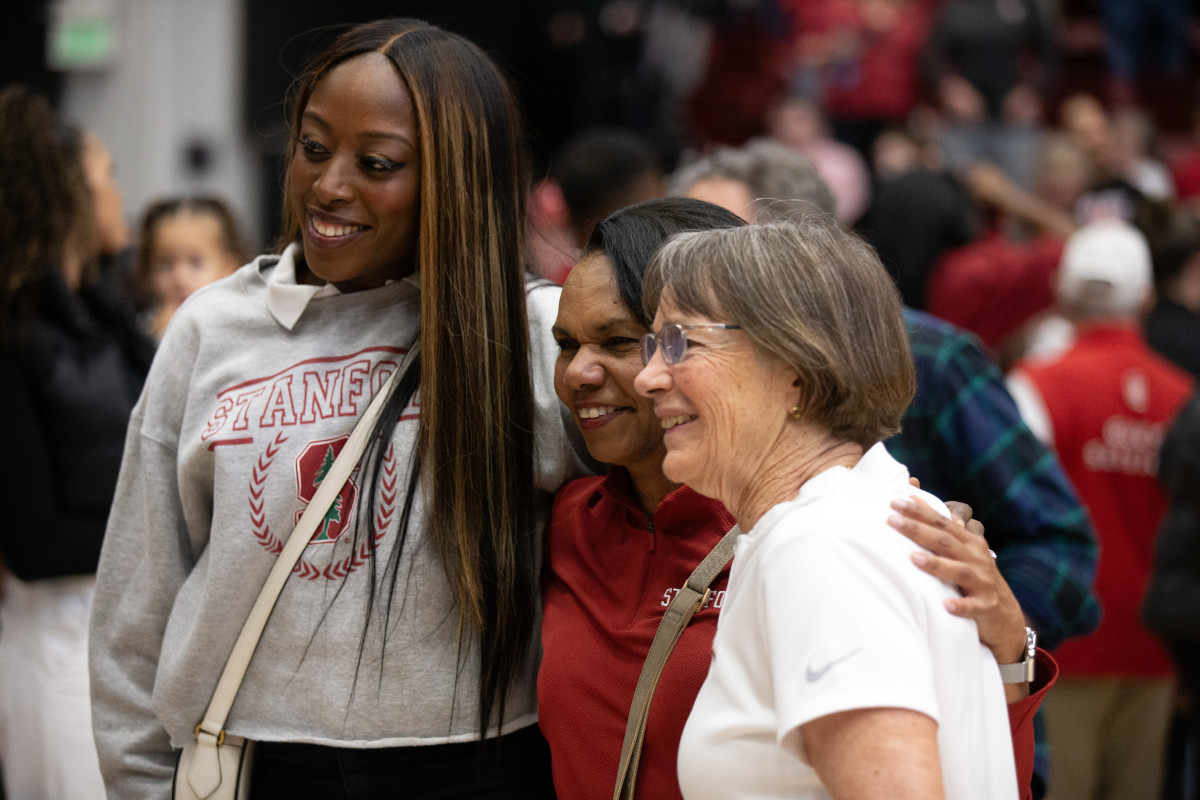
354 386
241 418
217 420
280 407
320 397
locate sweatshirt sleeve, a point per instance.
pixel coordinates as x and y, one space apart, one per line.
145 560
561 454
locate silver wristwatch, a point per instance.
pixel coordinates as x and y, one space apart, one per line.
1023 670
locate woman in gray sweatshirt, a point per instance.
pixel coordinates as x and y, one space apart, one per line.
405 635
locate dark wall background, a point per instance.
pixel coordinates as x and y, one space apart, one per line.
562 88
283 33
23 47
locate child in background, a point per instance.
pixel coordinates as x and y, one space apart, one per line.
186 243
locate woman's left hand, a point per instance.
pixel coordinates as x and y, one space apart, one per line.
962 558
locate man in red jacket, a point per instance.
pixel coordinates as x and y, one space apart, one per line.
1103 405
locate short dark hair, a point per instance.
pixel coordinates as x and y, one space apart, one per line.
630 237
1174 239
598 169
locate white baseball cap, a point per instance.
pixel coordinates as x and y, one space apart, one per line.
1106 267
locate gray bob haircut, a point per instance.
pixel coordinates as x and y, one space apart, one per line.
811 295
784 183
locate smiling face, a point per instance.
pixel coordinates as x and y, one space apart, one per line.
354 178
599 356
724 407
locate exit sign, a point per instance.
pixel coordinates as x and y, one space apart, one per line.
82 36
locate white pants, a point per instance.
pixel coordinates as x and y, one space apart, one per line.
46 746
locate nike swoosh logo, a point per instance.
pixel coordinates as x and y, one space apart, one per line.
816 674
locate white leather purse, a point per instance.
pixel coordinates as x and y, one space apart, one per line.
216 766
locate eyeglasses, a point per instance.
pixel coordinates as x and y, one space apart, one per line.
673 340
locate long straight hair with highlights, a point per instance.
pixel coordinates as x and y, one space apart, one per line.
475 439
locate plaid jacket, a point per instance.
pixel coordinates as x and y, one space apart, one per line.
964 439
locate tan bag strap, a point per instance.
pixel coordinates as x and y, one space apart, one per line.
310 522
690 599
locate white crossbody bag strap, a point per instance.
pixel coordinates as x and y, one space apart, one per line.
243 649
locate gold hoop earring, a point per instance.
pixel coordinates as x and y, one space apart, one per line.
795 413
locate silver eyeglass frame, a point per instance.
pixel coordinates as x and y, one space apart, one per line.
653 342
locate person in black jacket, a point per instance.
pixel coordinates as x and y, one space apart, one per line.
72 364
1172 605
1173 325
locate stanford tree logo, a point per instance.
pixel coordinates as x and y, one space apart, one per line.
312 465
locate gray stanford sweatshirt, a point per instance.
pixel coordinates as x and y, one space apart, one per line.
240 416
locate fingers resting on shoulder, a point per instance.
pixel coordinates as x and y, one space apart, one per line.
962 558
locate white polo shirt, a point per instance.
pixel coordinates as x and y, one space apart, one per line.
824 613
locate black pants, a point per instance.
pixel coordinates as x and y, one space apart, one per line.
515 767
